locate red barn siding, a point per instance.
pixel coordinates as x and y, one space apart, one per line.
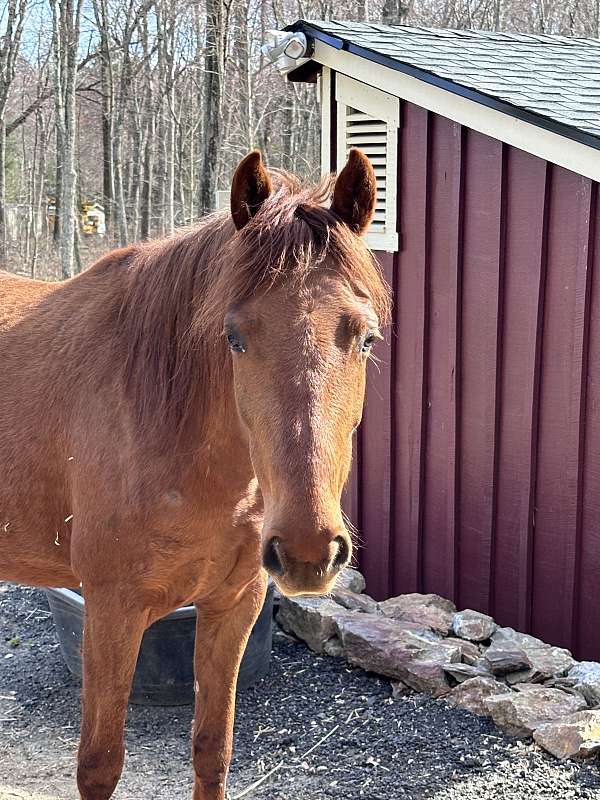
438 538
586 621
522 314
375 467
410 352
556 512
478 471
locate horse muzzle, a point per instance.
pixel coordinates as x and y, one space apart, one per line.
295 574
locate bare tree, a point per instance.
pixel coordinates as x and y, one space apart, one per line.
66 19
394 12
217 13
102 19
14 18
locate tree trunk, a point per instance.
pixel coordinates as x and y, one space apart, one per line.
3 233
394 12
120 207
40 207
57 188
66 15
108 185
213 88
68 210
14 13
147 180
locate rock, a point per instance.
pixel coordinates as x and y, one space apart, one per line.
464 672
427 609
503 657
387 646
523 676
470 652
351 580
576 736
426 675
545 661
399 689
586 677
376 625
311 619
501 660
550 662
355 602
520 713
333 647
380 645
473 625
511 636
474 693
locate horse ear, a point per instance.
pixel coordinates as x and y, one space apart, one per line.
250 187
355 192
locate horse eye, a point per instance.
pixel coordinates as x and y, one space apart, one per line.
235 343
367 342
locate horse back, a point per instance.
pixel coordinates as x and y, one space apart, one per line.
17 295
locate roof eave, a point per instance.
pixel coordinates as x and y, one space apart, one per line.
540 121
305 73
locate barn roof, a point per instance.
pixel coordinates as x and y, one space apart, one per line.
549 81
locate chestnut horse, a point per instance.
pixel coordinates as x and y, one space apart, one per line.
180 416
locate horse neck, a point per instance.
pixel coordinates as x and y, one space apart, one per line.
176 374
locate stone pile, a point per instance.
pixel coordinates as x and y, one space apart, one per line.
422 643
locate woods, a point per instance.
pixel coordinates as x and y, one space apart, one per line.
144 107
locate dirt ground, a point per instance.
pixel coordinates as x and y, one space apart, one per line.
363 744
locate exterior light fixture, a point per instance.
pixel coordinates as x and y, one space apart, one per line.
286 50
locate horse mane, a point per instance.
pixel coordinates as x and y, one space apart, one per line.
179 288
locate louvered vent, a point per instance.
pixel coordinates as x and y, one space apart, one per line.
371 136
368 118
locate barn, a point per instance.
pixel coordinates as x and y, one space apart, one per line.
477 473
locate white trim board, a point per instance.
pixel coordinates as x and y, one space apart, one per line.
386 108
532 139
325 96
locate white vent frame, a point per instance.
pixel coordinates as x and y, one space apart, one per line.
384 109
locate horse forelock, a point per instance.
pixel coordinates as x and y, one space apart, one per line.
180 288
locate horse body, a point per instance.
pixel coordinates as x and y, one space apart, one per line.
144 462
82 492
38 404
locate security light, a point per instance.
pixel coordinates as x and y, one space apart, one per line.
285 49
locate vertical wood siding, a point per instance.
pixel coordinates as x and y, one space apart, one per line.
478 467
586 612
376 457
410 337
522 315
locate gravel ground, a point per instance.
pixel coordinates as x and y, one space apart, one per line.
377 748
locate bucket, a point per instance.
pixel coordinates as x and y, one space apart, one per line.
164 672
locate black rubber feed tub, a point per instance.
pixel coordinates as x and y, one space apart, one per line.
164 673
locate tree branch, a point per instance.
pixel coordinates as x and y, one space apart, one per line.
39 101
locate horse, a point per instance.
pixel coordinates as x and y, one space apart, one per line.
176 424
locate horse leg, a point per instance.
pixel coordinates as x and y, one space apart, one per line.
221 637
112 636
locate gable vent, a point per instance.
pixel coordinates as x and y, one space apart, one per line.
370 136
368 119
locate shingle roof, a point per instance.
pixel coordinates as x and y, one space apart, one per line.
552 81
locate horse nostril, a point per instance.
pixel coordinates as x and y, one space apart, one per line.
343 554
271 558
